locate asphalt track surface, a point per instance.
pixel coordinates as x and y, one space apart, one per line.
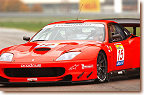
9 37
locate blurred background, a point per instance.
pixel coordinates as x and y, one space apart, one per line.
32 15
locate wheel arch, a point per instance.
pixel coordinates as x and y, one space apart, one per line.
107 58
104 53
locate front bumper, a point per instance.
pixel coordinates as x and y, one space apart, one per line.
74 69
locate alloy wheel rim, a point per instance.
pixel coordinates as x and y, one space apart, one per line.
101 67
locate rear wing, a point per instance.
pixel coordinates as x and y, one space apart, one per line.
127 22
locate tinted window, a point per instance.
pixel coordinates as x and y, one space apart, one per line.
116 33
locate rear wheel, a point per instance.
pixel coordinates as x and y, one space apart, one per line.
102 67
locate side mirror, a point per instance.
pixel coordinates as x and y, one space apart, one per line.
26 38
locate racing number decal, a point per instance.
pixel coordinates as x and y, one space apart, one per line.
120 55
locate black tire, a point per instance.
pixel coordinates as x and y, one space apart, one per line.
102 75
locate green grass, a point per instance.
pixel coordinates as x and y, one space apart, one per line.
30 26
35 24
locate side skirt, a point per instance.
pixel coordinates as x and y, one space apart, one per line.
127 73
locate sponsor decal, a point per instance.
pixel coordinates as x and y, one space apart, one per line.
86 66
31 79
30 65
109 48
73 25
73 67
120 55
79 24
47 45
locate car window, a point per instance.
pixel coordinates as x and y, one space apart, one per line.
116 33
130 29
81 31
126 32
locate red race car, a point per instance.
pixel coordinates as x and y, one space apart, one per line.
74 51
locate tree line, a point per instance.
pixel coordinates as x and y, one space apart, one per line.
18 6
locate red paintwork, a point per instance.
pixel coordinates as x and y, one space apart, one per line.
23 54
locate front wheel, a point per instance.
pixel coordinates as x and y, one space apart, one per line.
102 67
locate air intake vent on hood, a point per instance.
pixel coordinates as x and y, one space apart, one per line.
42 49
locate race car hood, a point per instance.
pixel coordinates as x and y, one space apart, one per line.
43 51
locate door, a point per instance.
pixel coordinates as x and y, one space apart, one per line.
119 42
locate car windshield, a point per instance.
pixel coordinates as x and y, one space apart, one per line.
79 31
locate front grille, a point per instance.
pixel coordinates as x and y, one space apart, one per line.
34 72
3 79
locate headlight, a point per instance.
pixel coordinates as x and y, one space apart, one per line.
68 56
6 57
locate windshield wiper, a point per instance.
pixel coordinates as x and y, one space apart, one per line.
39 40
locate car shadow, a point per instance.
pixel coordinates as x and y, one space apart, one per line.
120 78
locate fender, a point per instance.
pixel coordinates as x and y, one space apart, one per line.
108 51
